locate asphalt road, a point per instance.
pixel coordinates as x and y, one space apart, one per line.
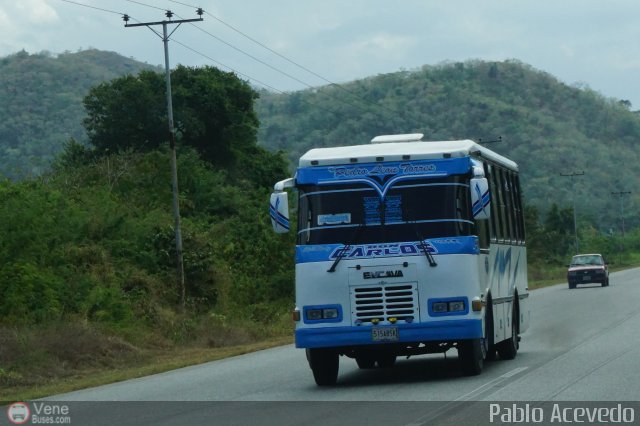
582 346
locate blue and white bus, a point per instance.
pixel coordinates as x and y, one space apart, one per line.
406 247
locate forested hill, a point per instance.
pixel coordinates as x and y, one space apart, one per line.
548 127
41 104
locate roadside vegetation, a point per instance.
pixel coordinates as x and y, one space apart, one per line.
551 244
87 252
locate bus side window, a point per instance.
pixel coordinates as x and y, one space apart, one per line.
495 230
519 210
510 205
505 218
499 203
482 229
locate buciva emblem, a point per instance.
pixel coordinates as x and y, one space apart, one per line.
382 274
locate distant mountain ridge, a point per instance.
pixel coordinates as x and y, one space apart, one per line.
41 104
549 128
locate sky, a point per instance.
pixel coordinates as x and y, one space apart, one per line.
584 43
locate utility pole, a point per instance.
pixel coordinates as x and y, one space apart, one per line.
172 138
622 194
573 197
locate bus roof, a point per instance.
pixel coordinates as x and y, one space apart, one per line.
400 151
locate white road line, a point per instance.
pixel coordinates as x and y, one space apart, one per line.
426 419
514 372
490 384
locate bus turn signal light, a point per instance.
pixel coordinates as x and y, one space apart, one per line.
476 305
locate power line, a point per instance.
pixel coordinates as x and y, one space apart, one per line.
249 77
355 95
226 66
268 65
222 41
147 5
288 75
236 48
265 47
126 17
94 7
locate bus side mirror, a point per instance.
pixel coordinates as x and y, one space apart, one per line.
279 212
480 198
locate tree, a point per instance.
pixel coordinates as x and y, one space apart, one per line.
213 113
558 232
127 112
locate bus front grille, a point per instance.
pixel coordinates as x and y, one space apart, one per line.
381 302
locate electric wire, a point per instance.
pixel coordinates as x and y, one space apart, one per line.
358 107
272 67
93 7
339 86
182 44
251 78
220 63
226 66
262 45
148 5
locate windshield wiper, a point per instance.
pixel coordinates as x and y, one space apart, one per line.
425 249
346 248
423 246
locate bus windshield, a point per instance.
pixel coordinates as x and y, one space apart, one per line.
410 210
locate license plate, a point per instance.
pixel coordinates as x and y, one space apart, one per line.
388 334
586 278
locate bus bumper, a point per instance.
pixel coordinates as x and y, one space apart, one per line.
451 330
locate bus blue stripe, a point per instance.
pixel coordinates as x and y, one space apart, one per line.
278 217
450 330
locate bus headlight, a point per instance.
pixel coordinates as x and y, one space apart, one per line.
314 314
330 313
440 307
448 306
324 313
456 306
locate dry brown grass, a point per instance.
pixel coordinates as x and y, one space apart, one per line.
38 362
29 356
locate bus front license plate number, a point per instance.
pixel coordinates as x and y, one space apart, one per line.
586 278
387 334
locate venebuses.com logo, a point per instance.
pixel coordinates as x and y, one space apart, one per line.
39 412
18 413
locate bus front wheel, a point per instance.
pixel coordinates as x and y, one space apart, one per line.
471 356
324 363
